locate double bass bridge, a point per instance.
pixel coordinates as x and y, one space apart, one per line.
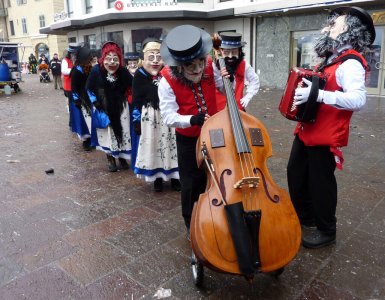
251 182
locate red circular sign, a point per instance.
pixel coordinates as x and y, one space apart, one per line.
119 5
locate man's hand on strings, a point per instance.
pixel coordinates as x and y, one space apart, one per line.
224 72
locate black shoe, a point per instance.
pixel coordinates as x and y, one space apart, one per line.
175 184
123 164
317 239
111 163
308 227
158 185
87 145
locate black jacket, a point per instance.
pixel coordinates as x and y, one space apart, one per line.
55 66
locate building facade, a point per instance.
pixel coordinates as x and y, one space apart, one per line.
279 34
25 18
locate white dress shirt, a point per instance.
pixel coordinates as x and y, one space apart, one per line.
350 76
251 82
65 70
169 107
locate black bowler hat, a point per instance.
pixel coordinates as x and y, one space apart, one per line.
185 43
73 47
231 40
361 14
131 56
83 56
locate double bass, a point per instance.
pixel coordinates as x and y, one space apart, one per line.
243 223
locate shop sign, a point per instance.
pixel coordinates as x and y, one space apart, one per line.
378 18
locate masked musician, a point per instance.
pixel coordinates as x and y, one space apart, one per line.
316 150
187 99
230 48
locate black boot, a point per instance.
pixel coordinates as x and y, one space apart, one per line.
87 145
317 239
158 185
123 164
175 184
111 163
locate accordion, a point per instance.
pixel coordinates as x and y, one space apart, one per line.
305 112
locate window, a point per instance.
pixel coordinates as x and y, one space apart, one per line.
111 3
302 53
42 21
90 41
24 25
12 28
88 6
117 37
70 8
72 40
20 2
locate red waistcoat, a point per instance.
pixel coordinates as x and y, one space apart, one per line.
239 77
66 78
186 100
331 127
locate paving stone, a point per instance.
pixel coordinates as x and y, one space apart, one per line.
97 232
9 270
42 284
320 290
114 286
143 238
91 263
156 267
353 277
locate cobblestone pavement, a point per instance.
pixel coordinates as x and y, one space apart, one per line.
85 233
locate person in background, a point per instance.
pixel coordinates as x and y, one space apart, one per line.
156 159
131 60
66 66
80 104
32 61
43 60
95 54
107 87
316 150
240 71
55 66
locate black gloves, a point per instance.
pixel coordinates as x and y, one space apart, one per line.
98 104
198 119
137 128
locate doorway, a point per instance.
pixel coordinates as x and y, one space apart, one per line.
375 57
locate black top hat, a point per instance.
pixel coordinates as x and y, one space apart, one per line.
361 14
131 56
185 43
83 55
73 47
231 40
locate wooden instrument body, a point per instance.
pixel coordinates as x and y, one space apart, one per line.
280 231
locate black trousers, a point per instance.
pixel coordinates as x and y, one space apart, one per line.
313 186
192 179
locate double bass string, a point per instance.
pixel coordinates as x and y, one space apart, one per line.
245 157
